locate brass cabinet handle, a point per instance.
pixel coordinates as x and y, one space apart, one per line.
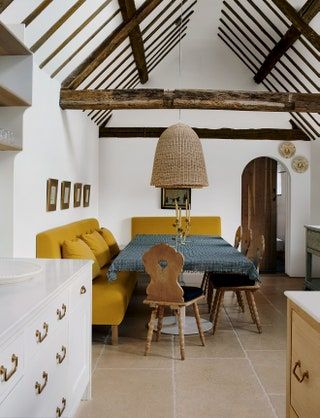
83 290
305 375
61 357
39 388
62 312
4 370
59 411
41 337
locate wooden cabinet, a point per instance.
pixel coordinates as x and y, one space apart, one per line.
312 248
45 347
303 366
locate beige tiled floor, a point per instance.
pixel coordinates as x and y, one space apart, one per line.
239 373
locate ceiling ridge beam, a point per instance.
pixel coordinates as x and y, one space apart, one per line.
190 99
128 10
108 45
310 9
275 134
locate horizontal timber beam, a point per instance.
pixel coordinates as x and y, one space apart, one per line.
295 134
190 99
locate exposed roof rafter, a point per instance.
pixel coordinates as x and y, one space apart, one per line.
128 10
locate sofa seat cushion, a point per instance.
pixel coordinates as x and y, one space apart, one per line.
110 299
98 246
111 241
77 248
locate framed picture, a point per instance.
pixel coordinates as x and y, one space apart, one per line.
52 193
77 190
168 197
86 195
65 194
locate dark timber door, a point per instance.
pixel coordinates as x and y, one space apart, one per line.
259 207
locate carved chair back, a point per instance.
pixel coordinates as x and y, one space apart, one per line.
164 265
238 237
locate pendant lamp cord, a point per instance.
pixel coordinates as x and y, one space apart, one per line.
180 25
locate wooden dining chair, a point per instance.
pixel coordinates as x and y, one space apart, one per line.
237 283
164 266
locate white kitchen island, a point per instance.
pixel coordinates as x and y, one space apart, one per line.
45 341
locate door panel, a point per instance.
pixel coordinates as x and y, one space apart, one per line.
259 207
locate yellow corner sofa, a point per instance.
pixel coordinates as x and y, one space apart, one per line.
109 299
200 225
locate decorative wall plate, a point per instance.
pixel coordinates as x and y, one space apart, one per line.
300 164
287 149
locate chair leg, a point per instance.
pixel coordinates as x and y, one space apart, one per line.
150 330
114 334
255 312
219 296
160 320
181 332
204 281
209 294
198 320
240 299
214 302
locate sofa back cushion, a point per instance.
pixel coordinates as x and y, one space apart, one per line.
98 246
79 249
111 241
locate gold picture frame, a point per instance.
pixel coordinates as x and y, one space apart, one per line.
52 194
77 192
86 195
65 194
169 196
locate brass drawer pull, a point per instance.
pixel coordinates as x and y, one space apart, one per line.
4 370
62 312
39 388
61 357
83 290
59 411
305 375
41 337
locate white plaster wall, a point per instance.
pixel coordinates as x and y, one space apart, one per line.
56 144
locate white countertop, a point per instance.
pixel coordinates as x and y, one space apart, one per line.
19 299
313 227
309 301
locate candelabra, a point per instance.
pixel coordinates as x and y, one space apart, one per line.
182 231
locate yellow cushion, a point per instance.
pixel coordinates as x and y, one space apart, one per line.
79 249
98 246
111 241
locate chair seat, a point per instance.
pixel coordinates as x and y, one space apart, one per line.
231 280
191 292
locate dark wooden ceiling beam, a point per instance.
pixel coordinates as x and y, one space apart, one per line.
298 22
310 9
36 12
294 134
108 45
128 10
190 99
56 25
4 4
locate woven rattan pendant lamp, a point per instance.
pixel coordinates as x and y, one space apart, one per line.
179 161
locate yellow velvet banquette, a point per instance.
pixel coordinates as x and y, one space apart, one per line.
109 299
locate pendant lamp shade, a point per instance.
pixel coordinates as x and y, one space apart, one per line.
179 161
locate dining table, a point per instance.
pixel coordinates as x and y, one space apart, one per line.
202 253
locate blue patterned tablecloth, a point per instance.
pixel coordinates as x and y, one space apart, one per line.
201 253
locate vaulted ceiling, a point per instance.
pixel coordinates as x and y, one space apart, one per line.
116 44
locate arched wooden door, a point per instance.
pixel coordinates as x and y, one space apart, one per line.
259 207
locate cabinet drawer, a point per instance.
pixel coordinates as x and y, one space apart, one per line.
11 364
38 335
80 290
305 368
